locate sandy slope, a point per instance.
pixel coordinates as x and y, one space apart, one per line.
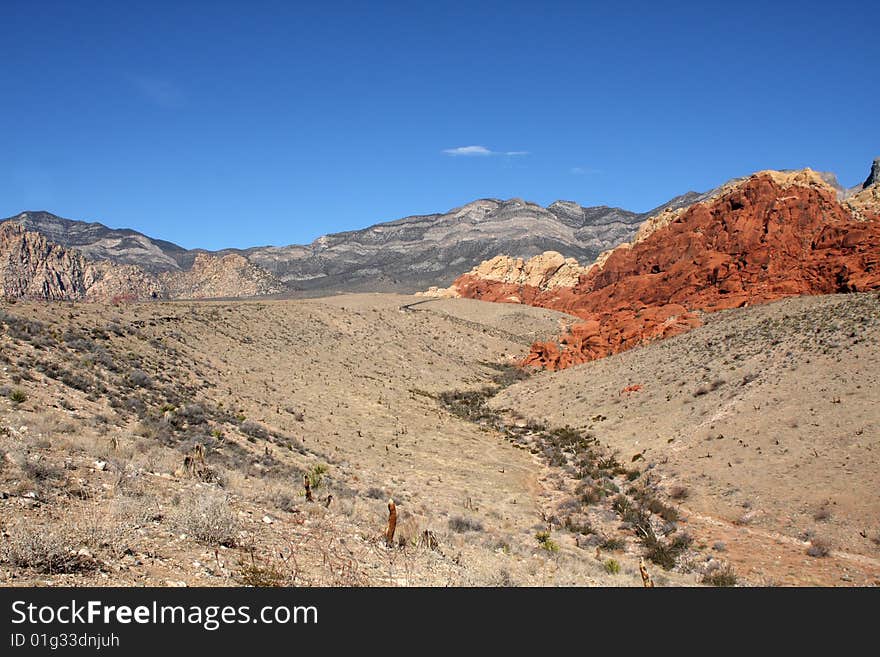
343 381
92 459
766 415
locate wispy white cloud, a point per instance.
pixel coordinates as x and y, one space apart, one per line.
479 151
583 171
468 151
159 91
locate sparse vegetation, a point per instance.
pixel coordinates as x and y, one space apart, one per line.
613 544
460 524
547 543
209 520
679 492
316 475
819 547
139 379
822 514
46 549
90 439
720 575
375 493
18 396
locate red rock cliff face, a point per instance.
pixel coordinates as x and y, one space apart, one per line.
770 236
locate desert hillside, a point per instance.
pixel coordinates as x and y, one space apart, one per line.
763 423
167 443
104 408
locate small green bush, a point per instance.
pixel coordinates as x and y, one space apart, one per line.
611 566
546 542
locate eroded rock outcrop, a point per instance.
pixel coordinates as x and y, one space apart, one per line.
32 267
214 277
772 235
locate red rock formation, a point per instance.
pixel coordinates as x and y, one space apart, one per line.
771 236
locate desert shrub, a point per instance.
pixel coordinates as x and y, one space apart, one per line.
679 492
374 493
40 470
75 381
592 494
665 511
316 475
257 575
18 396
504 579
461 524
139 379
507 374
286 502
613 544
261 572
547 543
253 429
822 513
578 527
611 566
209 520
47 549
660 553
663 553
819 547
720 575
621 504
192 414
681 542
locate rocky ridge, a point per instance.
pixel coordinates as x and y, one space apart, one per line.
404 255
754 240
33 267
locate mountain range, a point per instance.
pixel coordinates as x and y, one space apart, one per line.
49 257
404 255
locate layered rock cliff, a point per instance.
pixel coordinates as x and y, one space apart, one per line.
32 267
772 235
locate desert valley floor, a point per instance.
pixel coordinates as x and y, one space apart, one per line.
166 444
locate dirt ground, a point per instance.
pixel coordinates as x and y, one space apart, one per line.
166 444
102 404
765 423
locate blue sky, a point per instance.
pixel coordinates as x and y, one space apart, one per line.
237 124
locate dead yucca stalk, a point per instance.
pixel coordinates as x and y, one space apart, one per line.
307 483
646 578
392 523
